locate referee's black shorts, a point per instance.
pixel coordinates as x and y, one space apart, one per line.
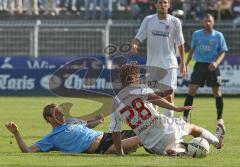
201 75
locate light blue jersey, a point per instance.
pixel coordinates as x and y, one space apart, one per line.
207 47
69 138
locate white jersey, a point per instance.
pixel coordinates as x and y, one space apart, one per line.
163 37
131 106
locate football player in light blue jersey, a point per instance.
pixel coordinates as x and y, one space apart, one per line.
208 49
72 138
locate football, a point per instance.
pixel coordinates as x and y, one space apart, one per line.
198 147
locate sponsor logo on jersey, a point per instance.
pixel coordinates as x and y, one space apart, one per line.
160 33
204 48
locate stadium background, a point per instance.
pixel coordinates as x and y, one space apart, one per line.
36 40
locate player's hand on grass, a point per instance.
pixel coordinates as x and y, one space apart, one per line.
12 127
213 66
184 108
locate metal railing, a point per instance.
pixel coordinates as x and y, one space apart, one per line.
79 37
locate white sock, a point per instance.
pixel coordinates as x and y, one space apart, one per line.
212 139
220 121
168 113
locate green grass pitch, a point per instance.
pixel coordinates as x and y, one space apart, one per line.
27 113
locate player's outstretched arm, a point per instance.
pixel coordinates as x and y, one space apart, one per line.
161 102
12 127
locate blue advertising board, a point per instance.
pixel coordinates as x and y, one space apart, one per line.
43 62
24 75
36 83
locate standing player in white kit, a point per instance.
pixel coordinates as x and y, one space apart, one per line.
158 134
164 36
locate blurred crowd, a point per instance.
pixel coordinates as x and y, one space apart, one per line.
220 9
88 9
137 9
195 9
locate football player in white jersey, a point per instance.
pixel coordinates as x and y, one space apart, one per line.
164 36
158 134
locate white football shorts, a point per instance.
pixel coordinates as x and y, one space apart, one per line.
174 131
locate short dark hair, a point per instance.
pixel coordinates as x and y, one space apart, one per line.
156 1
208 15
47 110
129 72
